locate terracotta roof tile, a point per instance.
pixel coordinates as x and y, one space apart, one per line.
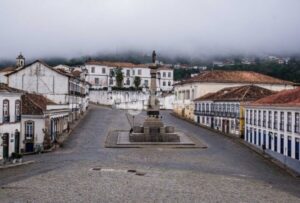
116 64
283 98
6 88
34 104
220 76
240 93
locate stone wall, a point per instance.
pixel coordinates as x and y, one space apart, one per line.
128 99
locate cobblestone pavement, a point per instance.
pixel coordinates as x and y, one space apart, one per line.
224 172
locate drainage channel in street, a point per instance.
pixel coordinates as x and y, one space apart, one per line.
138 173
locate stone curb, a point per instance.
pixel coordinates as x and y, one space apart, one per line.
15 165
242 142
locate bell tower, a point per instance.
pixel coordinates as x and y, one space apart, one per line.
20 61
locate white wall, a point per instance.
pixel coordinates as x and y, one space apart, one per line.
40 79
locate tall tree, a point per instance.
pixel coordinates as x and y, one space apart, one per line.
137 81
119 77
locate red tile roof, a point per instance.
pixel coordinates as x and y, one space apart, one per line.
6 88
116 64
221 76
34 104
240 93
283 98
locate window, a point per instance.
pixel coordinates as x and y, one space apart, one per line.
29 129
207 107
281 144
259 118
297 123
254 122
232 124
232 108
275 142
139 72
264 118
169 83
146 83
270 140
133 72
270 120
18 110
103 70
169 74
127 72
164 74
289 147
289 122
127 81
297 148
164 83
251 117
96 81
259 137
275 120
282 121
111 81
93 70
5 111
247 116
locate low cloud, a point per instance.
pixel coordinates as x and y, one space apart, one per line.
173 27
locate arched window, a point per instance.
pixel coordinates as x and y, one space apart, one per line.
29 130
5 110
18 110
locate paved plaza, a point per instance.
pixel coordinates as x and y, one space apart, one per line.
225 171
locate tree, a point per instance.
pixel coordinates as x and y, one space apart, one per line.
119 77
137 81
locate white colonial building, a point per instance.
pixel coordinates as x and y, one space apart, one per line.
43 122
55 84
223 110
102 75
212 81
273 125
10 117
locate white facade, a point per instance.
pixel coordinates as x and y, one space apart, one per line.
101 76
277 129
222 116
10 114
56 86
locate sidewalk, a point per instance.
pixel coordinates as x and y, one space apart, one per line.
243 142
11 165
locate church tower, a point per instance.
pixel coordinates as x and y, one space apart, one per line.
20 61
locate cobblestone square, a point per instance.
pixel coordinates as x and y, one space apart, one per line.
225 171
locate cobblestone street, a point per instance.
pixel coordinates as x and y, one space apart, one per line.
224 172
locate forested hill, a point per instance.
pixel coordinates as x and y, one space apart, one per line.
289 71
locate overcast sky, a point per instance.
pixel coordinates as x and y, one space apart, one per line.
45 28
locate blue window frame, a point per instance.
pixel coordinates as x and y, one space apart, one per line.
289 150
270 140
264 138
297 148
275 143
255 137
281 144
259 137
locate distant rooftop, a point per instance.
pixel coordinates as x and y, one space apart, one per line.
34 104
222 76
240 93
283 98
6 88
